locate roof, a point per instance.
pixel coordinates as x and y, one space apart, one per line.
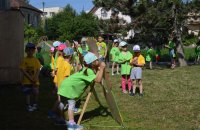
17 4
93 10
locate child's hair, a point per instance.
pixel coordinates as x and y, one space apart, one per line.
87 66
29 46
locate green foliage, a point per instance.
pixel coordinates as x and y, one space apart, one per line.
190 39
32 34
68 25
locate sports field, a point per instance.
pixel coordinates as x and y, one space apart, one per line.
171 101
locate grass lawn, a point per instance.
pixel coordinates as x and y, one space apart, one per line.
171 101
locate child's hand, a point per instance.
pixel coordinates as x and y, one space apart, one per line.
102 65
52 73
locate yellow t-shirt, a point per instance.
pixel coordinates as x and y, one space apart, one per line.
58 63
140 59
31 66
101 48
52 62
64 70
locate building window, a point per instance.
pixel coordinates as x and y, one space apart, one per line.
52 13
4 4
29 19
103 13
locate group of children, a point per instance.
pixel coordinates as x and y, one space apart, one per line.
64 63
131 66
74 68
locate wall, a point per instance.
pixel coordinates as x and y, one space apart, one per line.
31 17
11 46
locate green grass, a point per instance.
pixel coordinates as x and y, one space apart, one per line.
171 101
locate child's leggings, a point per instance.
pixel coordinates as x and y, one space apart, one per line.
71 104
124 77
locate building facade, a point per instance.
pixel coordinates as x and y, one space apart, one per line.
193 23
51 11
104 14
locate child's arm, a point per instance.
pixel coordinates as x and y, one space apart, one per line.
100 72
27 75
36 77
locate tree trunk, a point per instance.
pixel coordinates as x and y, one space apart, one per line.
179 44
180 53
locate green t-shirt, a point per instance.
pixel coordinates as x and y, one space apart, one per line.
197 50
158 52
149 55
73 86
80 50
171 45
125 67
115 54
101 48
38 55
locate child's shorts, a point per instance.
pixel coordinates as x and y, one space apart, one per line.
136 73
172 53
28 89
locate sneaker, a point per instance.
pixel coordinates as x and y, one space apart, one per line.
132 94
124 91
35 107
77 110
29 108
113 74
52 114
74 127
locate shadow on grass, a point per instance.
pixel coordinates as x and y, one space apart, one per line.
89 115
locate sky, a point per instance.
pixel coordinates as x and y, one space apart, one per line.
78 5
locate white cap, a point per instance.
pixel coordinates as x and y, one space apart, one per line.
122 43
136 48
116 40
90 57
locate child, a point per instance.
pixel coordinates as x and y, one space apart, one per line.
65 69
124 59
137 62
115 54
149 56
30 68
39 55
197 51
73 86
171 46
102 48
158 54
57 78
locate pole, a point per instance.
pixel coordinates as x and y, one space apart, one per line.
43 3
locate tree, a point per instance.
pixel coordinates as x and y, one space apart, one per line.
68 25
152 20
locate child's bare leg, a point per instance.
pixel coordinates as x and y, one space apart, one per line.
113 66
117 68
140 86
134 86
150 64
71 107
